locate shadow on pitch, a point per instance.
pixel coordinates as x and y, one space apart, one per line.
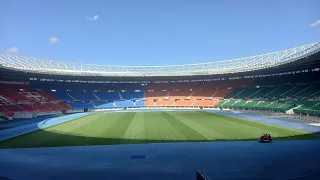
42 138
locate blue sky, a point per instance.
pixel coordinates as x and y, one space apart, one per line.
157 32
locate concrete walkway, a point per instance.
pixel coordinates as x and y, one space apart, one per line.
177 161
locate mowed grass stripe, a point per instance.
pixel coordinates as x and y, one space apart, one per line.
147 127
174 133
187 132
136 129
196 123
157 128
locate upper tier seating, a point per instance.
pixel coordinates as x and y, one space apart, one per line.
278 98
108 96
186 94
82 96
63 96
26 96
13 85
287 91
14 96
132 95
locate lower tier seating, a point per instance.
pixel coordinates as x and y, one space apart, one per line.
307 107
256 105
10 109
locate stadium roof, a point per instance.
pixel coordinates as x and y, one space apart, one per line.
247 64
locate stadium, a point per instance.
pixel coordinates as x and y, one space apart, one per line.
161 122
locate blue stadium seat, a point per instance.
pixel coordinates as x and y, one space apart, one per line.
103 105
62 96
83 96
124 104
81 105
132 95
139 103
108 95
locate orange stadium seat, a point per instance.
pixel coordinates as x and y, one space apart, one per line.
184 103
179 94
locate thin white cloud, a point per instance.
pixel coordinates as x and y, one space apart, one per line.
315 23
13 50
94 18
54 40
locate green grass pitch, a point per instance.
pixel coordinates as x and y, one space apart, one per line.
150 127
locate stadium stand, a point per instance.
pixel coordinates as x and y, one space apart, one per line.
283 81
124 103
102 105
112 95
82 96
132 95
81 105
63 96
275 98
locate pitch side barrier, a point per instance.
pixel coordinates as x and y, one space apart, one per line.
13 132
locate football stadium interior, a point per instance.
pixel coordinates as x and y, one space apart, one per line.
49 103
281 81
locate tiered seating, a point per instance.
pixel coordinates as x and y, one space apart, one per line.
183 103
234 93
307 107
293 91
12 108
164 102
139 103
262 92
64 106
107 96
280 106
257 105
13 85
29 108
239 103
83 96
132 95
103 105
124 104
149 102
81 105
203 94
187 94
247 93
180 94
221 93
206 103
14 96
63 96
250 104
310 92
156 94
279 91
48 96
226 103
277 98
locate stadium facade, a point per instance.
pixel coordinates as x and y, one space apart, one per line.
283 81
